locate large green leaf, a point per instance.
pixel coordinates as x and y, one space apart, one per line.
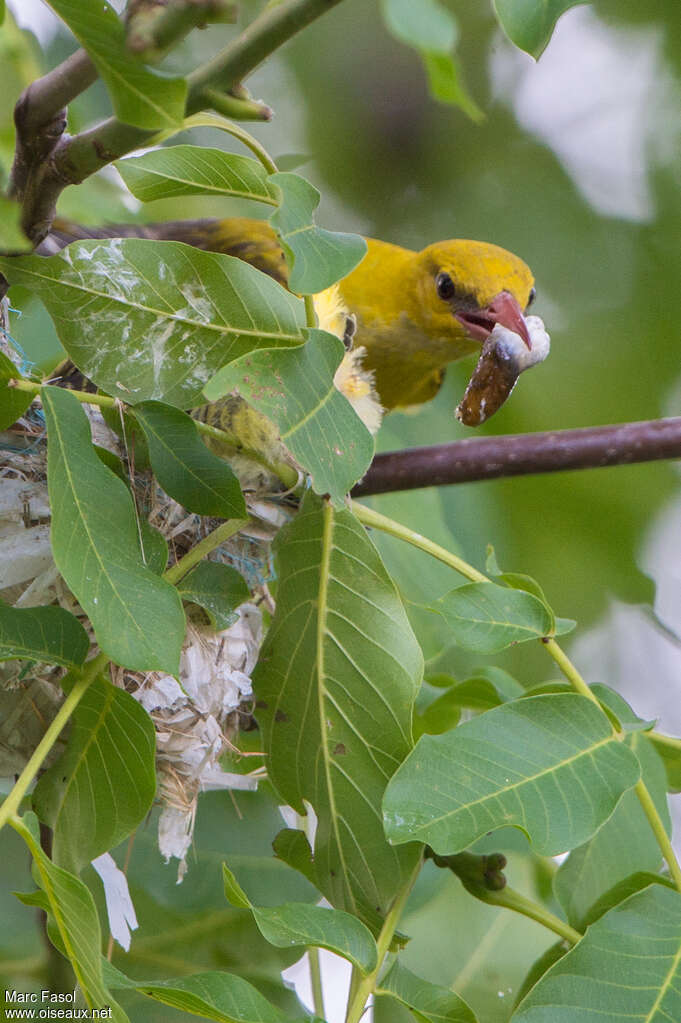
196 170
530 764
140 96
316 422
104 783
73 914
13 403
48 634
335 684
137 617
297 923
148 319
199 480
317 258
626 969
217 588
430 1002
217 996
623 845
530 23
487 618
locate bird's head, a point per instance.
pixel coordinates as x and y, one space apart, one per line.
463 288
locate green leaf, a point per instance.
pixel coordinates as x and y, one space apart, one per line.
297 923
317 258
218 589
669 749
196 170
217 996
48 634
622 890
487 618
627 967
12 238
618 709
316 422
75 917
148 319
490 687
446 85
426 25
530 23
140 96
154 547
336 682
104 782
13 403
137 617
197 479
539 967
525 764
623 845
431 1003
439 716
293 848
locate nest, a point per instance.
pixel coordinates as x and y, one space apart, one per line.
197 719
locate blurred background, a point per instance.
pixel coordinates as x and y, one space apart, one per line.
576 167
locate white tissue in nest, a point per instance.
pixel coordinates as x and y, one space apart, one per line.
191 720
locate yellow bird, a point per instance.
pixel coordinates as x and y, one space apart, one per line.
406 314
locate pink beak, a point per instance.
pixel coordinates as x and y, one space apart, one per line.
502 309
505 310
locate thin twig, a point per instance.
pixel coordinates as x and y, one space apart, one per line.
522 454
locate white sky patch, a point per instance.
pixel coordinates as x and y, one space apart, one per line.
335 983
36 16
604 101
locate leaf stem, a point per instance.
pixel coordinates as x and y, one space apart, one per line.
568 669
358 997
655 821
223 532
316 981
83 679
509 898
373 518
217 120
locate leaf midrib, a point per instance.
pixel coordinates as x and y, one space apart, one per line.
324 573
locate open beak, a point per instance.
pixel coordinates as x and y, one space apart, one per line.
502 309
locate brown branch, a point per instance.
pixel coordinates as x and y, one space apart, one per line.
40 119
522 454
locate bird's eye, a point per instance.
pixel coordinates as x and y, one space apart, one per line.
445 286
531 297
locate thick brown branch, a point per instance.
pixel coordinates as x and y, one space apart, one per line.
522 454
40 120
